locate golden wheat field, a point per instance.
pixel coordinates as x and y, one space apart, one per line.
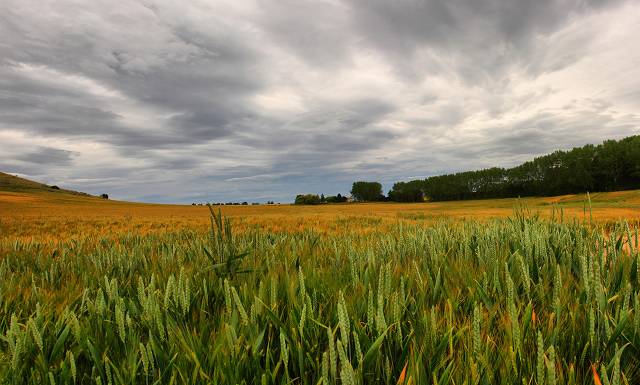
537 290
44 214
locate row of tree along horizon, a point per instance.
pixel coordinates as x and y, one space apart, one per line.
610 166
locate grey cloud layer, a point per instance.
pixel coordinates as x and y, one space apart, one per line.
172 101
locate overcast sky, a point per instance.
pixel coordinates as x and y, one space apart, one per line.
181 101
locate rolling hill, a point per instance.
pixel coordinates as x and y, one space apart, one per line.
16 184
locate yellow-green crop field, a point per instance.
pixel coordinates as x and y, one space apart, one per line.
530 291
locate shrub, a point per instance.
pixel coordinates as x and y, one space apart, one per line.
336 199
307 199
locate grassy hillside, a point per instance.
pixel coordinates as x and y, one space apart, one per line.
12 183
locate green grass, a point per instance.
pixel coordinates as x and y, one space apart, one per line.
13 183
517 300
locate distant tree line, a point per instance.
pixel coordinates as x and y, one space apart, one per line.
232 203
314 199
612 165
360 192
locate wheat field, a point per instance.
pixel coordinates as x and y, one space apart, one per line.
532 291
51 217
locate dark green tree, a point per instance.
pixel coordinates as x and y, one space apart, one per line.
336 199
307 199
412 191
612 165
367 191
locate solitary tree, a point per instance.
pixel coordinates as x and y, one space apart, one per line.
367 191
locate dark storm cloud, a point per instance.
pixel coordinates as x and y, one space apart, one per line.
33 161
48 156
478 39
312 30
240 100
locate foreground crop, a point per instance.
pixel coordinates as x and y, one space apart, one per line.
510 301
